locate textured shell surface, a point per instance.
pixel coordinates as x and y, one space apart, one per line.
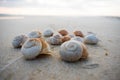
18 41
78 33
48 33
91 39
57 36
34 34
63 32
71 50
80 39
71 35
85 52
66 38
54 40
31 48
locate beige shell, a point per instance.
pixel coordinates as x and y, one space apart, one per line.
35 34
85 53
78 33
63 32
18 41
71 50
66 38
56 39
34 47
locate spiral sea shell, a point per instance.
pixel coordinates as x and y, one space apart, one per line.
48 33
80 39
71 50
34 34
78 33
56 39
71 35
18 41
85 52
63 32
91 39
34 47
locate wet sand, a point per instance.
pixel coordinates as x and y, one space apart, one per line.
103 62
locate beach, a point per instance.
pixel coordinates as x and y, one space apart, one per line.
103 62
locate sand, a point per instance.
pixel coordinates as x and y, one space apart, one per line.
103 62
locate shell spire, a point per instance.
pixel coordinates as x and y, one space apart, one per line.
18 41
73 50
35 34
34 47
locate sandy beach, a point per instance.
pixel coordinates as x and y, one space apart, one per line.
103 62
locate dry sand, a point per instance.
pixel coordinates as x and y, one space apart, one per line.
103 62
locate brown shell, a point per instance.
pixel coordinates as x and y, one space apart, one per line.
78 33
63 32
43 42
85 52
44 46
66 38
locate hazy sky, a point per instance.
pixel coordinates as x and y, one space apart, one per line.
61 7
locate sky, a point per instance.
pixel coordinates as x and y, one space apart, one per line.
61 7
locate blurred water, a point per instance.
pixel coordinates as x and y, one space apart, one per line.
24 24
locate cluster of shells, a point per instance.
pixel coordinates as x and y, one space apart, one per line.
72 46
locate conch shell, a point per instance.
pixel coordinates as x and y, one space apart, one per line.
78 33
73 50
56 39
91 39
63 32
35 34
34 47
48 33
18 41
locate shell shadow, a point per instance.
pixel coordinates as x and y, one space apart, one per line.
41 56
94 45
82 63
90 66
15 49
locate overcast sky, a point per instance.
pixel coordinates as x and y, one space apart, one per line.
61 7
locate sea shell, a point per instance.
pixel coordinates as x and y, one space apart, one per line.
63 32
91 39
48 33
66 38
34 47
71 35
80 39
71 50
56 39
18 41
34 34
85 52
78 33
